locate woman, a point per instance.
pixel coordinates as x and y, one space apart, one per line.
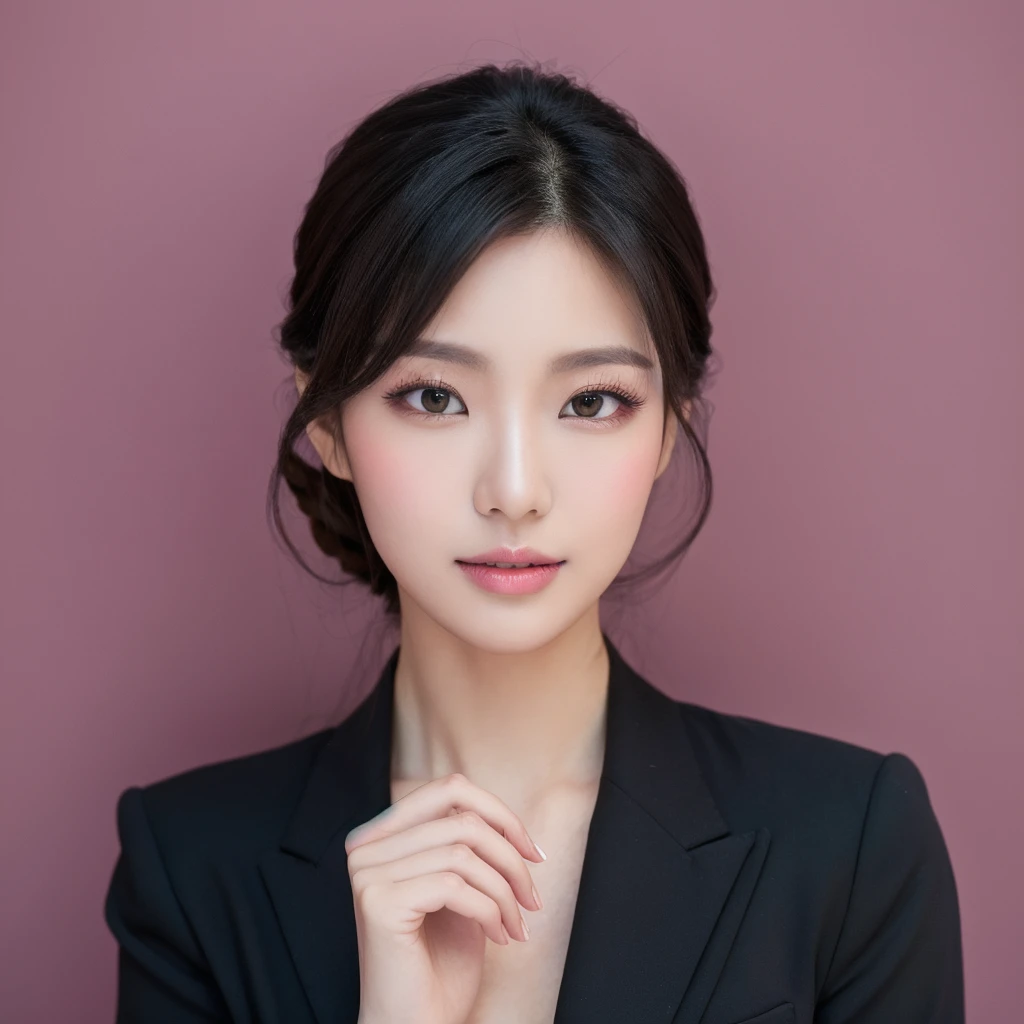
499 328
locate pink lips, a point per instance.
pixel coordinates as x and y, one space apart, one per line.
511 581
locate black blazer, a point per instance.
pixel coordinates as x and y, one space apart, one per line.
735 871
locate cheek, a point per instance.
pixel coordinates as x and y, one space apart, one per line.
609 493
406 496
632 479
382 471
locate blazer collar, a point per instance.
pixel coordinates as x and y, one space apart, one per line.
663 887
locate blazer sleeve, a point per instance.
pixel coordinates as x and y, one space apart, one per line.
898 958
162 972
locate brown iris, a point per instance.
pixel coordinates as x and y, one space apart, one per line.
435 396
587 404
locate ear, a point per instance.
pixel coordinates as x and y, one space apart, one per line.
330 449
669 441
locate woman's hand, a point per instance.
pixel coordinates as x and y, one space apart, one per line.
452 851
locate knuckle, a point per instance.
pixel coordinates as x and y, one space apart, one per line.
470 819
462 853
451 879
369 897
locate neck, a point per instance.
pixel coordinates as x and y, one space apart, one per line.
521 724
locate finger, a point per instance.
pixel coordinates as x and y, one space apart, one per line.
465 828
438 798
465 863
401 907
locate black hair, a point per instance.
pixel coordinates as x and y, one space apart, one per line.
410 198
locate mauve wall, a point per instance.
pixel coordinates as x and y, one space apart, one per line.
857 170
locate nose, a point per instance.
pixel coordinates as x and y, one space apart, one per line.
514 476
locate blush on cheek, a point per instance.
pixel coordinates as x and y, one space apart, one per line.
390 485
608 495
380 469
634 477
627 482
404 489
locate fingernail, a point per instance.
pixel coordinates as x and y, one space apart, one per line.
543 855
537 899
504 931
526 927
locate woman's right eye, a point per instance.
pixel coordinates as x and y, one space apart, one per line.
432 401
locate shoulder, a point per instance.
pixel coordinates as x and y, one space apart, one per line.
234 807
190 845
810 790
853 833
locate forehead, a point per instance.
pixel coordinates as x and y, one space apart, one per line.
540 299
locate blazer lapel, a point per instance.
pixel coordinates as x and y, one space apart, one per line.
307 876
664 884
662 892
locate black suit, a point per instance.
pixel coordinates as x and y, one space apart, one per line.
735 871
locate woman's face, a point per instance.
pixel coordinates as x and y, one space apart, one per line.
491 444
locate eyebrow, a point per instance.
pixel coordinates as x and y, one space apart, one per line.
451 352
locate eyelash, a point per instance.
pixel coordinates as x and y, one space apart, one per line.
630 399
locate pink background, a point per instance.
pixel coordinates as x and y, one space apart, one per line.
857 171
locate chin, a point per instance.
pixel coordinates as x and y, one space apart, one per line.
495 629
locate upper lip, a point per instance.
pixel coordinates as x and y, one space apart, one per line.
512 555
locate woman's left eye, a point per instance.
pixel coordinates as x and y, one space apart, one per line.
591 405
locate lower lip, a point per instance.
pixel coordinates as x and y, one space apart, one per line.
510 581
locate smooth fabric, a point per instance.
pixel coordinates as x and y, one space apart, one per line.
736 872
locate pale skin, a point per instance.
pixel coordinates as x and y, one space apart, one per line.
499 700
